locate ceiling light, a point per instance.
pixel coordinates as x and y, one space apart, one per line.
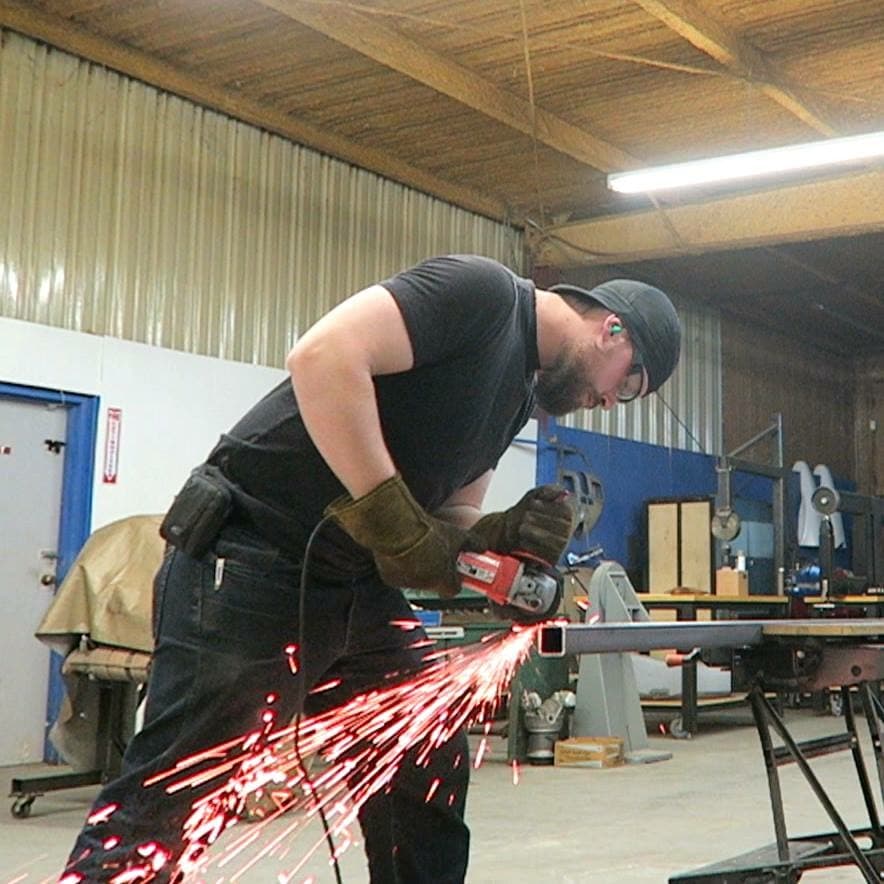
750 165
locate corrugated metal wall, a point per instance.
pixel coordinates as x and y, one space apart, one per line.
687 413
133 213
766 373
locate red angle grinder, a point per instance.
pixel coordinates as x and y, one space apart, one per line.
527 588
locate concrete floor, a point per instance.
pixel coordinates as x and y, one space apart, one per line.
562 826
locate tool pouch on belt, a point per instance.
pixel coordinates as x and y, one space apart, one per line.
198 512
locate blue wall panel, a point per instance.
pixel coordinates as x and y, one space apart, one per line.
631 473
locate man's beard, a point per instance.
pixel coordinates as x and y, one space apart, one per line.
562 387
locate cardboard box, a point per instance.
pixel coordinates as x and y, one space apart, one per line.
731 583
589 752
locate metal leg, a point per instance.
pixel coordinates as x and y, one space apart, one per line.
690 712
861 772
868 694
756 698
860 860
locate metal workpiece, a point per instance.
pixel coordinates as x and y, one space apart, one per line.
559 639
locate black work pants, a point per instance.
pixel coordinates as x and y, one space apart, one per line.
220 650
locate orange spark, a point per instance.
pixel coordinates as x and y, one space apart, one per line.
102 815
327 686
432 790
480 752
363 744
290 652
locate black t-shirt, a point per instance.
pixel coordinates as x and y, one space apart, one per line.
446 421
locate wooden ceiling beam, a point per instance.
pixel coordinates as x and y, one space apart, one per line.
71 37
844 206
735 54
387 46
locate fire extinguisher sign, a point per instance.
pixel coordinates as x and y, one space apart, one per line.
112 446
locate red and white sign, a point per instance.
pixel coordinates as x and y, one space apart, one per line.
112 446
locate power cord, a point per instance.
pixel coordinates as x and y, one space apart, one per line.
308 782
681 423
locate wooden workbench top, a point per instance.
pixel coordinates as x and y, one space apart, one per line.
822 627
844 600
704 598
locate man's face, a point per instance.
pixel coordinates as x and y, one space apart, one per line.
584 377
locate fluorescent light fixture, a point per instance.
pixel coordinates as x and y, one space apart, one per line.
753 164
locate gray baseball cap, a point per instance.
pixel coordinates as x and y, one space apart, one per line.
648 316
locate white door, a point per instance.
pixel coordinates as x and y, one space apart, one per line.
31 466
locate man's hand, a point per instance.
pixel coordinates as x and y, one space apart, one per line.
410 547
541 523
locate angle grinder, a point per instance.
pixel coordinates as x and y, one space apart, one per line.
523 587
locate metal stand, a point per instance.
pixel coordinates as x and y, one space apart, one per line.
777 655
726 523
608 702
116 714
788 858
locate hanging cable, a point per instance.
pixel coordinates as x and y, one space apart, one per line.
681 423
302 693
534 146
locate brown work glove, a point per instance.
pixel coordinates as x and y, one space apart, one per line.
410 547
541 523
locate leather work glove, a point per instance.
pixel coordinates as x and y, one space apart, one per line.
541 523
411 548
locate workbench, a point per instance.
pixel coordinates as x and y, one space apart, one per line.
866 605
685 711
778 656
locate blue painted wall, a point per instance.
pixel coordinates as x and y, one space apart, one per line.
631 473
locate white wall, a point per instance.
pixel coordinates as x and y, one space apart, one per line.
174 405
42 356
515 474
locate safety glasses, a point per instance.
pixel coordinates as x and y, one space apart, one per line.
633 383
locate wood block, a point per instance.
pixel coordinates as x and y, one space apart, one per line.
732 583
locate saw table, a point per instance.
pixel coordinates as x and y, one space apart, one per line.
777 656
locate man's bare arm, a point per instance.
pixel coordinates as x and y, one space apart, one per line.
332 367
464 507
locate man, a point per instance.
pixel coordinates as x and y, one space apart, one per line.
401 401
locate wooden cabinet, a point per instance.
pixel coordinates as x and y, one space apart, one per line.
680 552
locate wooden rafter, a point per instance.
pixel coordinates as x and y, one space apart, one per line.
735 54
387 46
845 206
69 36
